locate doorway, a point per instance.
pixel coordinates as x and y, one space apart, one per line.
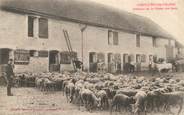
92 62
111 63
54 64
138 62
169 53
4 55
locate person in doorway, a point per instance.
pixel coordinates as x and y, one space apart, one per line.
100 66
9 74
78 64
132 67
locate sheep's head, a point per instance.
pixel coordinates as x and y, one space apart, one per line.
131 100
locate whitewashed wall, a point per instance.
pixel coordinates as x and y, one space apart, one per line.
13 34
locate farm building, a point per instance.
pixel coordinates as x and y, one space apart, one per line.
32 32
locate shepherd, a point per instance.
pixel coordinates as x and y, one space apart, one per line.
78 64
9 74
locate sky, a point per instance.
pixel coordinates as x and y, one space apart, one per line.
170 20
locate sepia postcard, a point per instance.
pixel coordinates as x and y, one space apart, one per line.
91 57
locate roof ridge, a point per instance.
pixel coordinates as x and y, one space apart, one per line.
91 12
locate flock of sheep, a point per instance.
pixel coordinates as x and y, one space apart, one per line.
128 93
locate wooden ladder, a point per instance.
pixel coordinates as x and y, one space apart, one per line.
69 46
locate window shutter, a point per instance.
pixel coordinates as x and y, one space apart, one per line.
43 28
115 38
138 40
30 26
110 37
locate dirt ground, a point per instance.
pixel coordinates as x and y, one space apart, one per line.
31 101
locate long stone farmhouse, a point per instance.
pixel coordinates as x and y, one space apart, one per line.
32 33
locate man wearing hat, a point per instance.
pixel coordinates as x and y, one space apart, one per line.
8 76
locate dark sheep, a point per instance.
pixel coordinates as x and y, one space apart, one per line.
122 101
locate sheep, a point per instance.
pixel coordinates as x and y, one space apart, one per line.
99 85
102 95
89 99
101 89
59 82
122 100
153 101
69 91
110 93
65 83
140 102
39 83
88 85
78 86
48 84
127 92
163 66
172 99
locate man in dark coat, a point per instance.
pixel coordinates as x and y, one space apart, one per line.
78 64
9 76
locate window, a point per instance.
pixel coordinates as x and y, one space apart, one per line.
131 58
43 53
101 57
66 57
113 38
43 28
138 58
54 57
33 53
92 57
37 27
154 42
143 58
31 26
155 58
138 40
125 58
117 58
21 57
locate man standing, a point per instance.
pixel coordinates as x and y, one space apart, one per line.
9 76
78 64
